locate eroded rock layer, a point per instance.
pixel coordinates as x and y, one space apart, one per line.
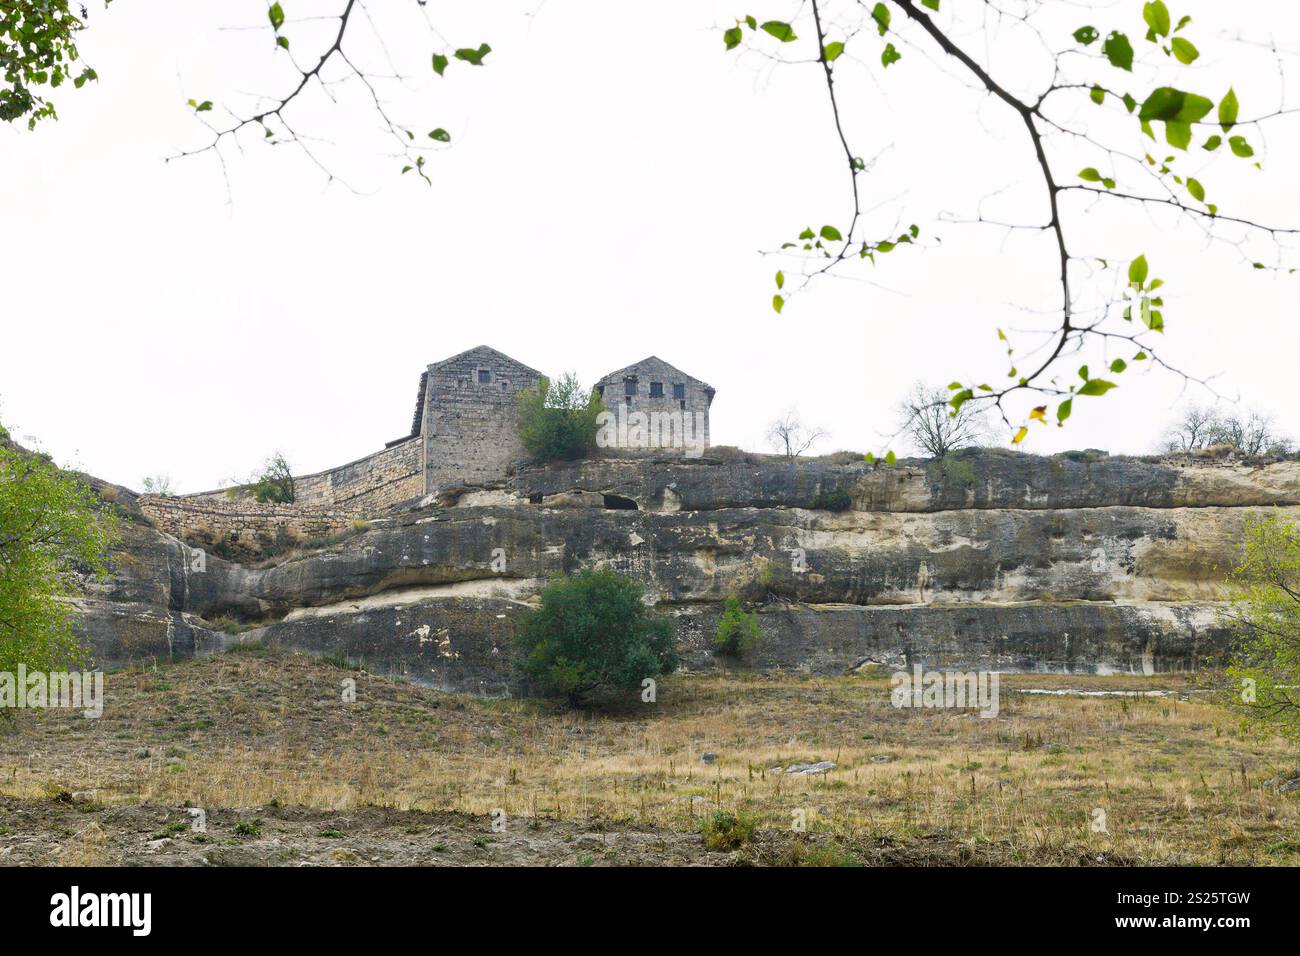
993 560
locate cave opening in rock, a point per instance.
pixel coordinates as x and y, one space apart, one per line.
619 503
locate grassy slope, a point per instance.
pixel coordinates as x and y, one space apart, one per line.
1177 781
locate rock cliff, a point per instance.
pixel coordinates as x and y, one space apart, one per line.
1078 562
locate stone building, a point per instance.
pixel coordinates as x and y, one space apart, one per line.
660 392
467 413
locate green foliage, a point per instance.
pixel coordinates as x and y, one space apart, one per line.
738 631
835 499
593 638
52 531
275 481
1265 621
557 420
38 49
724 830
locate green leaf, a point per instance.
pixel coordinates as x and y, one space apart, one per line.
1090 175
1130 104
472 56
931 4
1138 271
1240 147
276 15
780 280
1213 143
1228 107
778 303
890 55
1167 103
1118 366
1196 189
1086 35
1177 134
732 37
1063 410
880 13
781 30
833 51
1096 386
1185 50
440 134
831 234
439 63
890 458
1156 15
282 42
1119 51
1098 95
203 107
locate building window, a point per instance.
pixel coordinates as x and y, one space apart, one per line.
679 391
600 390
629 386
505 386
484 376
656 389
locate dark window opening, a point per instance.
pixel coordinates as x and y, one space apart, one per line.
484 376
619 503
628 400
600 390
679 391
505 386
534 499
629 386
656 389
683 405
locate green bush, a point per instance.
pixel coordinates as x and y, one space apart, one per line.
557 420
275 482
53 532
724 830
593 637
738 631
836 499
1265 620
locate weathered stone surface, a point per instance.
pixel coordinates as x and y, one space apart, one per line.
974 479
1054 564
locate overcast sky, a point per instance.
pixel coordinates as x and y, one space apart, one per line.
612 179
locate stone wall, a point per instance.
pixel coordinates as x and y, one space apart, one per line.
471 426
241 526
369 484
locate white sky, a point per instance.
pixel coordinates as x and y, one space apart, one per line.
612 178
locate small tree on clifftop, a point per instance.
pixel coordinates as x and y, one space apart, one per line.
557 420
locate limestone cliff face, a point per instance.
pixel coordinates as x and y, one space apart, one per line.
1076 563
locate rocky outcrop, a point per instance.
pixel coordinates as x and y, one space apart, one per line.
990 560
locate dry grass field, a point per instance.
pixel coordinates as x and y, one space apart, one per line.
265 743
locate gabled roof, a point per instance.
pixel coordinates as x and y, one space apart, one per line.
486 350
654 365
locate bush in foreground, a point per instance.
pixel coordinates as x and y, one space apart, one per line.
593 638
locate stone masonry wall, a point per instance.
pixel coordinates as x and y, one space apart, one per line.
242 525
373 483
471 426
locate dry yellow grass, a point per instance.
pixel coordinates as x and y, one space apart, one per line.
1177 779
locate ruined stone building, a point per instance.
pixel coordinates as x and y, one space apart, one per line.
655 388
467 413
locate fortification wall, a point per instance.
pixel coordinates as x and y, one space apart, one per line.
373 483
226 525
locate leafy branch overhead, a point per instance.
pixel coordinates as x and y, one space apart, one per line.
1093 64
276 123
